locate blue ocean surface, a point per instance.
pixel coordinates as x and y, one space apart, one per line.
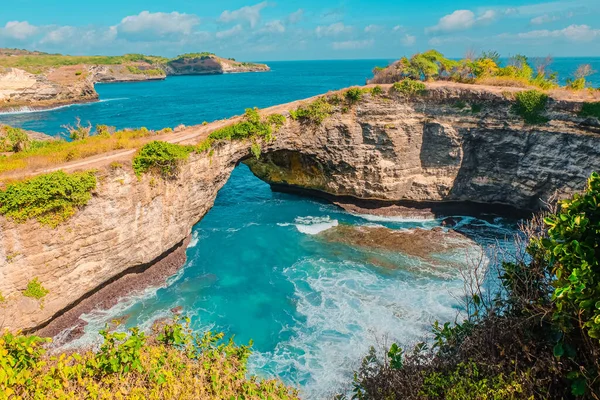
257 265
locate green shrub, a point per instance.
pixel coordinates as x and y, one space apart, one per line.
476 108
315 112
51 198
573 254
170 363
530 105
35 290
252 126
376 91
590 110
410 87
2 298
161 157
353 95
276 120
14 139
256 150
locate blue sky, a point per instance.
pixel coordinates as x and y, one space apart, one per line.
308 29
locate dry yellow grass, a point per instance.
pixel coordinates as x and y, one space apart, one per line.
47 154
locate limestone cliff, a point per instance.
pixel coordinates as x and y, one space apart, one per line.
455 143
210 64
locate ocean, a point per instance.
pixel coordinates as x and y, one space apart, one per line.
257 268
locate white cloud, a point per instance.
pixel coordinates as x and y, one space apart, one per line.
158 24
398 28
251 14
543 19
333 30
352 44
295 17
273 27
230 32
19 30
461 20
373 28
575 33
59 35
408 40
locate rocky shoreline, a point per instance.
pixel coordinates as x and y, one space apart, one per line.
109 294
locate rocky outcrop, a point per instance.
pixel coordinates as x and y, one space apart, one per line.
53 87
210 65
19 88
456 143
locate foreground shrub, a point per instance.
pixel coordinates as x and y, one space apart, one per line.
252 126
410 87
353 95
161 157
530 105
537 337
171 363
51 198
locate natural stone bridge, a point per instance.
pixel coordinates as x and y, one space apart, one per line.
456 143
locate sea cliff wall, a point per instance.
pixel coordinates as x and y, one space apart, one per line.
455 143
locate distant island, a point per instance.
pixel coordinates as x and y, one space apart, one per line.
40 80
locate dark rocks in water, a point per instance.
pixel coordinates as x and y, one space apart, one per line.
451 221
177 310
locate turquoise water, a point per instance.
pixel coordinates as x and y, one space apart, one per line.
257 268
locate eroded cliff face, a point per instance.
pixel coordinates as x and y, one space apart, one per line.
453 144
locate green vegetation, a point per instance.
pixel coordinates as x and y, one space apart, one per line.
410 87
530 105
51 198
41 62
353 95
161 157
252 126
277 120
171 362
376 91
35 290
40 154
256 150
538 336
578 81
13 139
590 110
315 112
203 56
2 299
148 72
485 69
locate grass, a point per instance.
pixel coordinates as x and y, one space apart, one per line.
40 63
49 153
409 87
148 72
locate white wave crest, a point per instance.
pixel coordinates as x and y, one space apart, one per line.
314 225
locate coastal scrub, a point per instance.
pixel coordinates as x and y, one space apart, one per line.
161 157
530 105
170 363
51 198
35 290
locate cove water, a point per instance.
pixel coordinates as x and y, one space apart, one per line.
257 268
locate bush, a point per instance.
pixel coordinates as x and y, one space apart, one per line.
537 337
14 139
171 362
78 132
410 87
353 95
572 252
161 157
530 105
376 91
252 126
276 120
590 110
35 290
51 198
315 112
